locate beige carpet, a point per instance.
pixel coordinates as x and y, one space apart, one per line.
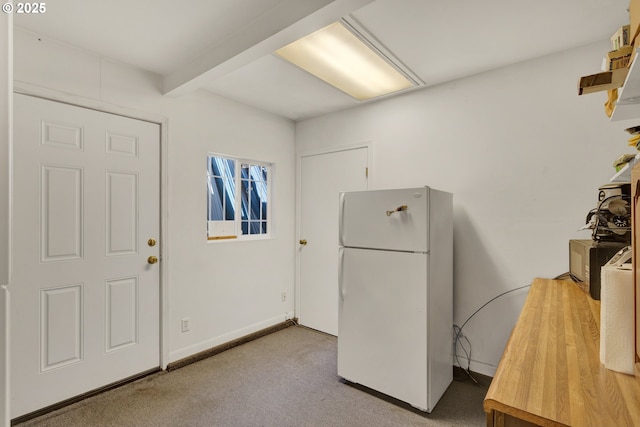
284 379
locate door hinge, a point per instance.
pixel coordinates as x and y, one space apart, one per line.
366 172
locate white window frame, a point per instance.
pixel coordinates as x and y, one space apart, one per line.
232 229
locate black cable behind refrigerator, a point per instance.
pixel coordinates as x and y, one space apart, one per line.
458 329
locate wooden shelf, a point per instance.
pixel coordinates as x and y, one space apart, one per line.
550 372
628 105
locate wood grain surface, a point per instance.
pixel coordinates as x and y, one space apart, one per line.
550 372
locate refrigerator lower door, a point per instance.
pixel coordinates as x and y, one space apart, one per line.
382 329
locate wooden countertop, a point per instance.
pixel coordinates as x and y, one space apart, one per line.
550 372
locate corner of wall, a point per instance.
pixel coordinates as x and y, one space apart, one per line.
6 90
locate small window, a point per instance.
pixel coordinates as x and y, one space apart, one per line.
238 193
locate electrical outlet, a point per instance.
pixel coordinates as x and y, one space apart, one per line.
283 296
185 324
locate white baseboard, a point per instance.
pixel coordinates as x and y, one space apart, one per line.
228 337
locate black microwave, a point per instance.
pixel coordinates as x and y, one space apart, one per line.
586 258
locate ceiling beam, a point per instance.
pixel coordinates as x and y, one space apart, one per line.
287 22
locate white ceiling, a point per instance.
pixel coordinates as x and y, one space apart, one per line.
224 46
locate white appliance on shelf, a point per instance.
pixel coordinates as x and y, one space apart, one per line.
396 293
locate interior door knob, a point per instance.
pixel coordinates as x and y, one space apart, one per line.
152 259
303 242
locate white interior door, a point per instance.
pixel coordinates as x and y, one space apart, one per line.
85 297
323 177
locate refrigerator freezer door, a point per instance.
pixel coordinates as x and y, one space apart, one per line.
385 219
382 329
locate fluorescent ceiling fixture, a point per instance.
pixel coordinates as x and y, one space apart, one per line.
335 55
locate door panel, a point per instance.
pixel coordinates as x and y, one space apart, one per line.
122 313
122 213
323 177
61 327
85 302
61 213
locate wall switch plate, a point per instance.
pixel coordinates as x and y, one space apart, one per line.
283 296
185 324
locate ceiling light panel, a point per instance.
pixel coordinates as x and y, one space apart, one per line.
335 55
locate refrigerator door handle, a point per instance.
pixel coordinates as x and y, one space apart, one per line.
340 238
402 208
340 281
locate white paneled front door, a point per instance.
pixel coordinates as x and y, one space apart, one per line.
322 178
85 288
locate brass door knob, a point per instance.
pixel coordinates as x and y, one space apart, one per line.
151 242
303 242
152 259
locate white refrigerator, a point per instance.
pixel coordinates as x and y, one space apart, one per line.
396 293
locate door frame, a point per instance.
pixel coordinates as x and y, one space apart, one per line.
308 153
101 106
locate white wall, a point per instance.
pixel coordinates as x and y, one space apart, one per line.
6 64
227 289
522 154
